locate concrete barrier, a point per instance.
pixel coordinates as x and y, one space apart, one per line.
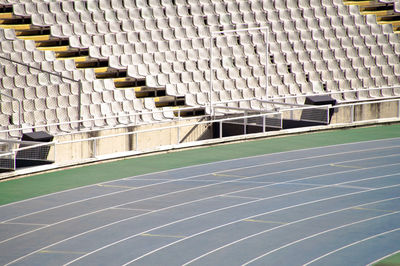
152 139
71 149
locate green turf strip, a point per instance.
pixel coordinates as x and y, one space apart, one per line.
41 184
393 260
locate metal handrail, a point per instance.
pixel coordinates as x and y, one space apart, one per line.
185 108
191 124
178 143
166 127
111 117
197 123
341 92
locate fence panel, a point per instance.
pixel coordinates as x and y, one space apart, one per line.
7 161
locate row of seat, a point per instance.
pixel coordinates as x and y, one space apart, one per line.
38 112
173 8
313 14
141 21
46 79
105 86
315 46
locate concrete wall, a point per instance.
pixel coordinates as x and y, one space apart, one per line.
124 142
375 111
152 141
365 112
341 115
73 151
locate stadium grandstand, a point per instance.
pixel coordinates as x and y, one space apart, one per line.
283 117
116 77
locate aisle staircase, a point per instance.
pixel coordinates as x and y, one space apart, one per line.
25 30
385 12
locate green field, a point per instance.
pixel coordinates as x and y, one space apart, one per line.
45 183
393 260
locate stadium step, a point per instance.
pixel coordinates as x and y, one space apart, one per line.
57 48
128 82
142 92
44 41
90 62
36 38
79 58
109 73
72 53
384 12
6 15
378 10
167 100
17 26
359 2
189 112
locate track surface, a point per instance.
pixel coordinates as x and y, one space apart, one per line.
336 205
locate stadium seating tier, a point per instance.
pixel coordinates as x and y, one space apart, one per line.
130 56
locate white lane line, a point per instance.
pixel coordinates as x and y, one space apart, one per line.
240 197
108 208
207 181
95 229
191 177
170 181
87 199
263 221
62 252
321 165
317 157
27 224
240 181
115 186
344 166
120 221
373 209
387 256
319 185
131 209
194 188
318 234
227 175
356 187
220 226
242 204
185 190
166 236
350 245
324 148
284 225
353 170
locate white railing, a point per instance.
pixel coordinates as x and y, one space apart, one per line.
262 120
135 121
342 93
267 118
177 127
77 124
